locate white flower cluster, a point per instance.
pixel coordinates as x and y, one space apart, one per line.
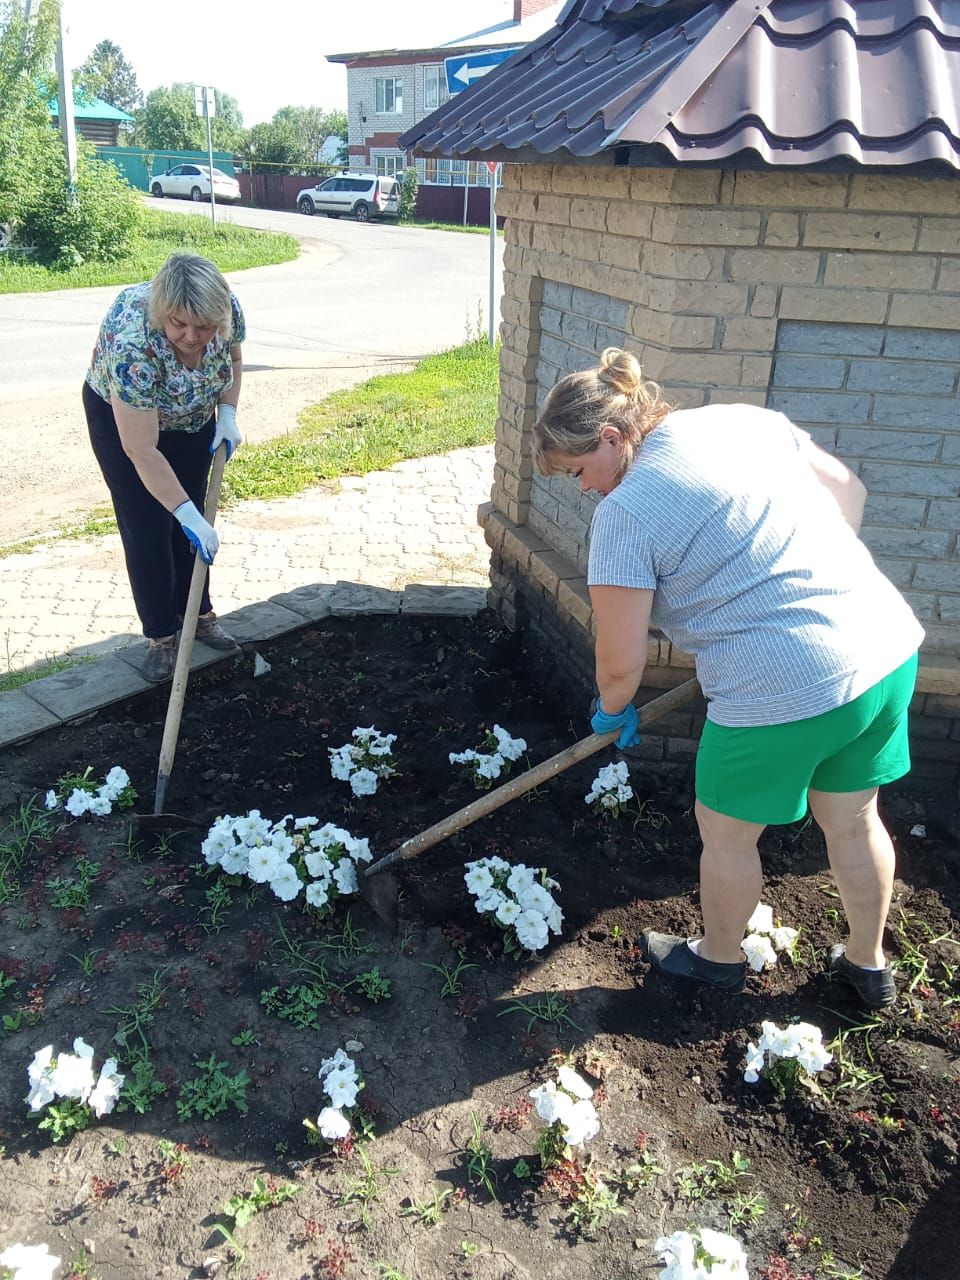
29 1261
285 854
610 791
364 761
70 1075
566 1103
517 897
801 1041
98 800
341 1083
484 767
764 939
701 1255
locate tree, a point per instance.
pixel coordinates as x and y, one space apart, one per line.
273 144
106 74
26 84
168 121
313 126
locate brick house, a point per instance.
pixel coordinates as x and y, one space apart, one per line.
732 192
390 90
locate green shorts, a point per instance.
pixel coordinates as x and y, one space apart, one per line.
763 773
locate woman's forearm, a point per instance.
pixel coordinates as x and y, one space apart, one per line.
158 477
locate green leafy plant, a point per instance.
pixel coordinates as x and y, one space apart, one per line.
298 1004
712 1178
140 1088
452 984
365 1190
480 1158
745 1209
265 1194
373 985
212 1090
29 825
547 1009
593 1199
427 1212
218 898
65 1118
137 1019
69 893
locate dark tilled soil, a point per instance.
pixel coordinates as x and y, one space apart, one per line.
863 1173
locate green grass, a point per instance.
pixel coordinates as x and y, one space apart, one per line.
430 225
14 679
449 401
231 247
100 521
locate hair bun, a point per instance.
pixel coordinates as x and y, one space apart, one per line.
621 371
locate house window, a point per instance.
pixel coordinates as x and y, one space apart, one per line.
389 95
390 166
431 86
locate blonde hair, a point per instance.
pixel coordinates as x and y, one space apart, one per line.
577 409
189 283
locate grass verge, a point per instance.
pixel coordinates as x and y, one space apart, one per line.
15 679
430 225
100 521
449 401
231 247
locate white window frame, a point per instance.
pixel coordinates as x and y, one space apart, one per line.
432 77
394 97
389 166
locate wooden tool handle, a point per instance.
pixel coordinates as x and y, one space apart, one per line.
188 632
540 773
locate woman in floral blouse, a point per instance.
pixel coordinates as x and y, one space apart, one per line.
160 396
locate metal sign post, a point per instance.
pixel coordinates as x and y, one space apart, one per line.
494 168
205 99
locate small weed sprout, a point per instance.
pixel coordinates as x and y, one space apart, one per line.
373 985
266 1193
452 986
212 1091
712 1178
480 1158
428 1212
547 1009
365 1190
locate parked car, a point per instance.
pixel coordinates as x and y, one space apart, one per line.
193 181
365 195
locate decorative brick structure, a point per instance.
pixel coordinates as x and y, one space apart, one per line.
831 296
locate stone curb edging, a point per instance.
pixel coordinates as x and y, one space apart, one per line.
52 701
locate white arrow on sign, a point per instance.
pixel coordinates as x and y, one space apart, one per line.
466 73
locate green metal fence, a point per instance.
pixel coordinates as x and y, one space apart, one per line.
139 164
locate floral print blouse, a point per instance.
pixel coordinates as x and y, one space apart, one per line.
139 366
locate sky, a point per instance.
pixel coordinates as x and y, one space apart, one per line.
269 54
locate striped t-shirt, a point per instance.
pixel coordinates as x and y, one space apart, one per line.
755 571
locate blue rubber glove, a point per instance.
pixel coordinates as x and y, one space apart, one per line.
627 721
199 531
226 430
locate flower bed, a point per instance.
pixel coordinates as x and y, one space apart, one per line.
309 1094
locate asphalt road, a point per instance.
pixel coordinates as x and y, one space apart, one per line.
361 299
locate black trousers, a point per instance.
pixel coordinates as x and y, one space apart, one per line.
158 554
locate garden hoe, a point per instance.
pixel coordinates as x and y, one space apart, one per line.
381 892
158 820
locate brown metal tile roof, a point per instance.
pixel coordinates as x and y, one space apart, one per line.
799 83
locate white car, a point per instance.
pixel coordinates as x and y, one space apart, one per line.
193 181
365 195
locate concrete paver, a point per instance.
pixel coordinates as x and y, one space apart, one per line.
347 549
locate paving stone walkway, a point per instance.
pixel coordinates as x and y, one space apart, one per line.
361 545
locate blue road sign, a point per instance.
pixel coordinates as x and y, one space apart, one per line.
464 70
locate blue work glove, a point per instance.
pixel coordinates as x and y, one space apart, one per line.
226 430
627 721
199 531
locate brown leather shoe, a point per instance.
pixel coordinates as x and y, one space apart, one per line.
210 632
160 660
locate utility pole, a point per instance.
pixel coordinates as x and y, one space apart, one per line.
205 98
65 101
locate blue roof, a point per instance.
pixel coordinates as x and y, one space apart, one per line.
91 109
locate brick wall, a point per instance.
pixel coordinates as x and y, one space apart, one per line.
833 297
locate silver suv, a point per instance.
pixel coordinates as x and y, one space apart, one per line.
365 195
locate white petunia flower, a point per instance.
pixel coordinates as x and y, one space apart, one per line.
363 782
318 864
762 919
507 911
286 884
107 1089
478 879
50 800
759 951
509 748
520 879
531 930
581 1123
29 1261
783 938
342 1086
72 1076
317 894
573 1082
337 1062
264 863
345 875
333 1124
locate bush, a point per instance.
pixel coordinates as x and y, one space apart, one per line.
408 195
98 221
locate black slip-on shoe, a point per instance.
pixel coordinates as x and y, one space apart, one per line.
672 956
875 987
